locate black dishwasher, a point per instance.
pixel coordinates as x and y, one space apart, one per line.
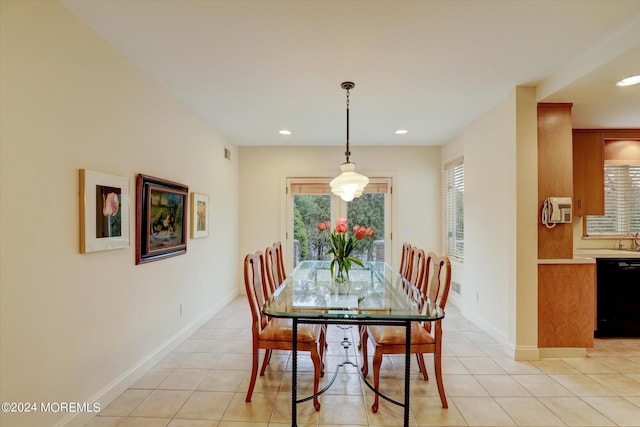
618 297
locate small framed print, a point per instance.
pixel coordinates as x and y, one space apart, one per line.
199 215
161 219
104 211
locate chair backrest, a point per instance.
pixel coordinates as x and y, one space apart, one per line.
417 267
439 282
274 265
282 273
256 287
423 285
271 269
404 261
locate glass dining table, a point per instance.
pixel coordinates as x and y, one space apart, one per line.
375 294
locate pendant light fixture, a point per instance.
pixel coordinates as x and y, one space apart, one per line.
349 184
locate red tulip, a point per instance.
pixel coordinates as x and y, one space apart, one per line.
370 232
322 226
341 225
361 232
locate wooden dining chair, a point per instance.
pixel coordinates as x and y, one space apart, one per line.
413 278
276 275
412 281
274 333
425 337
418 279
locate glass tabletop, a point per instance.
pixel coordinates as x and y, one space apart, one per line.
375 292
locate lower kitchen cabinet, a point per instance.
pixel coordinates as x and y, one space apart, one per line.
566 304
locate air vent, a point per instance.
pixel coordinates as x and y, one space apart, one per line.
456 287
227 154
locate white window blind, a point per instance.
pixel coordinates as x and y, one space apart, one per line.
621 202
454 208
321 185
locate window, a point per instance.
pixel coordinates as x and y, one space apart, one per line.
454 208
621 202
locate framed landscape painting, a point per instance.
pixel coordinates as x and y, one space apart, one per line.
199 215
161 221
104 211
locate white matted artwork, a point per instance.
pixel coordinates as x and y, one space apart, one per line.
104 211
199 215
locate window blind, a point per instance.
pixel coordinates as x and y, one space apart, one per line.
621 202
454 209
321 185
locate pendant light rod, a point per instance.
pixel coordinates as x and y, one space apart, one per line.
347 86
349 184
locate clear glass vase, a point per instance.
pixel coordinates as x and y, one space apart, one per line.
340 279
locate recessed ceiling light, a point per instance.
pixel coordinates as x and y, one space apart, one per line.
401 131
633 80
285 132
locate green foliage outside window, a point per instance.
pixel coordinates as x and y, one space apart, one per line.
310 209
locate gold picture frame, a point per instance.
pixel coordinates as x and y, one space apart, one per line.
199 215
104 211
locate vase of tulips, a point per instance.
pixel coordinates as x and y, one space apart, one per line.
341 245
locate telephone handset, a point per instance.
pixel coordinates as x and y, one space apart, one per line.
556 210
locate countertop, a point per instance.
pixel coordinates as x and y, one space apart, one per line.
605 253
588 256
577 259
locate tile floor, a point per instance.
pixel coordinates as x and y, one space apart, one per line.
204 381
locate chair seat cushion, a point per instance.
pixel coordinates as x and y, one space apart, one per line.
396 335
282 330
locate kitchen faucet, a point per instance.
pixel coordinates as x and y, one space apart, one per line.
635 241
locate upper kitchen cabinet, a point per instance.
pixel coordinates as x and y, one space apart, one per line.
592 148
588 172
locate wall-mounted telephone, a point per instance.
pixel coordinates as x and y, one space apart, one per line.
556 210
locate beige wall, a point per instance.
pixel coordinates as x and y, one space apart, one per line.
523 306
498 273
416 189
81 327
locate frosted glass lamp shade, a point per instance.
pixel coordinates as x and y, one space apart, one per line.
349 184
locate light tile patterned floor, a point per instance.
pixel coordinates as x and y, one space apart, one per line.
204 381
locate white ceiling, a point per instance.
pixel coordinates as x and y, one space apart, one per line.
253 67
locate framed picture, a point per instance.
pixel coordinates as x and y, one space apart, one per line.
104 211
199 215
161 219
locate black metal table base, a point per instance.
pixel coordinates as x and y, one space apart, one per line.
346 344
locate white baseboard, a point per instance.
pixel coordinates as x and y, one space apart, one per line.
519 352
563 352
119 385
486 327
526 352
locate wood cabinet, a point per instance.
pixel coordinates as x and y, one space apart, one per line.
588 172
555 176
566 305
588 166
